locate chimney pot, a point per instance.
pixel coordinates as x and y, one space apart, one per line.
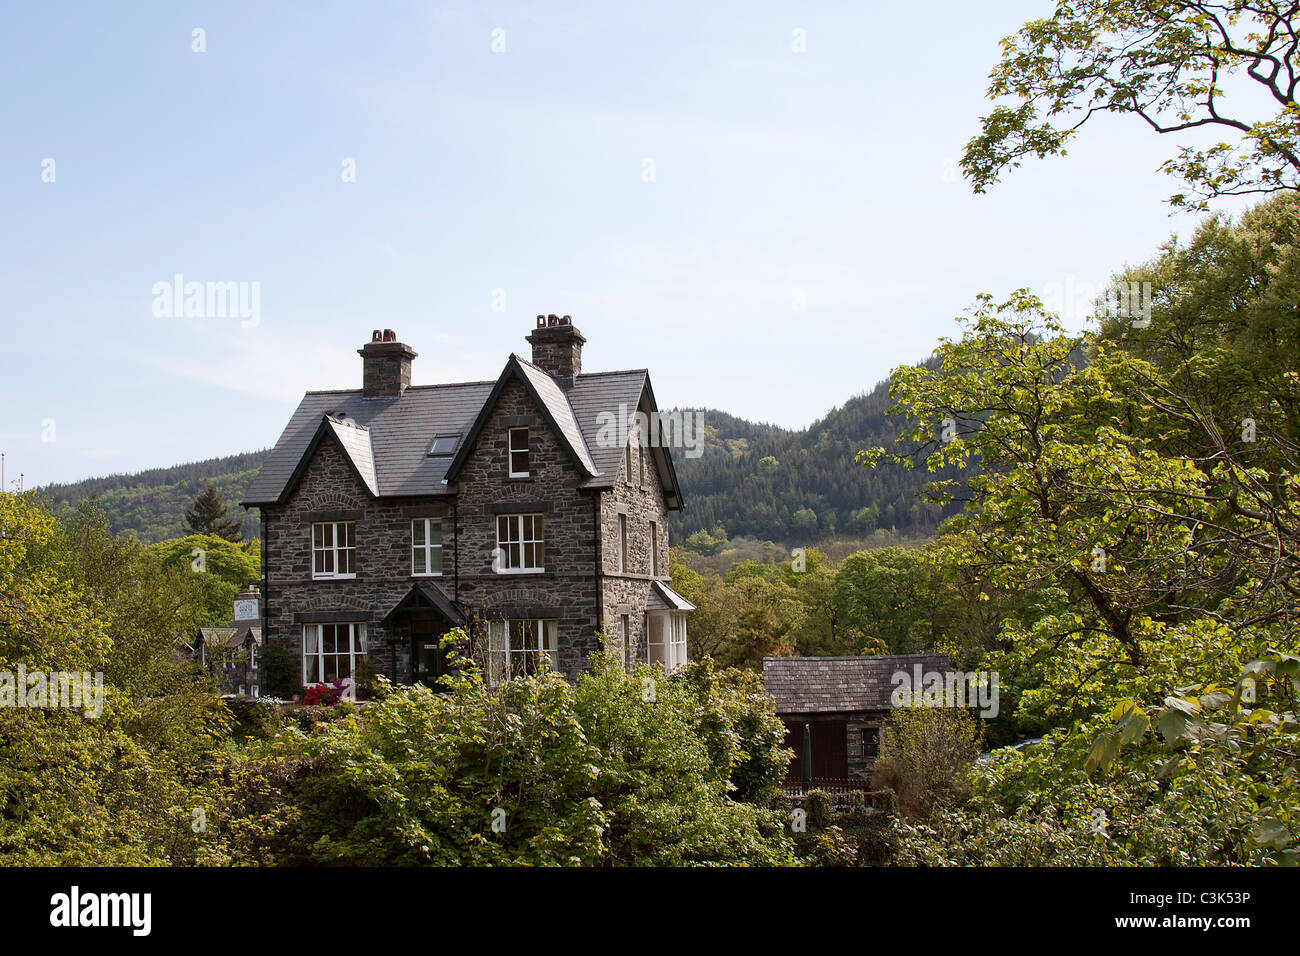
557 347
385 365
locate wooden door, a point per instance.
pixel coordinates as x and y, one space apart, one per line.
830 747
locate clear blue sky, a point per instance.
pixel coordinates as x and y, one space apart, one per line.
826 174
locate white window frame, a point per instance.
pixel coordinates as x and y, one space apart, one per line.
509 650
356 648
252 656
428 547
517 538
670 650
333 551
511 451
654 549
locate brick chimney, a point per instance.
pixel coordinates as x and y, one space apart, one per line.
557 346
385 365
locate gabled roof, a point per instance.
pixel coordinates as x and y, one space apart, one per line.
400 431
664 598
428 594
812 685
229 637
594 397
555 409
355 442
387 439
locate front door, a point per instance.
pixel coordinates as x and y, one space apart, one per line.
429 659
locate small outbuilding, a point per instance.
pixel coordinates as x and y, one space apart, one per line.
842 702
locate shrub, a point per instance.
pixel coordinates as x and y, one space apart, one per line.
818 805
925 758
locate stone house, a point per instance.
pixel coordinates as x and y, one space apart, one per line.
232 653
842 701
531 510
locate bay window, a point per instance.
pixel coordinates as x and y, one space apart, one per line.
666 641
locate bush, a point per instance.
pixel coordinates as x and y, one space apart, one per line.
279 672
925 758
614 769
818 805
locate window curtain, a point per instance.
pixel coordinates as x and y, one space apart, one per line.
310 653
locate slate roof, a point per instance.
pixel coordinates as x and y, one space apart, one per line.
387 439
401 430
557 403
664 598
355 440
432 595
816 685
229 637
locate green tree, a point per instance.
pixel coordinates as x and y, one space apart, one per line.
208 516
1162 570
1172 64
616 769
217 567
804 522
893 594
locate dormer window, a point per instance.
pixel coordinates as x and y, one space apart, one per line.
519 453
443 445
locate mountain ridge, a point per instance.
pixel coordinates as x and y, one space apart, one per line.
753 479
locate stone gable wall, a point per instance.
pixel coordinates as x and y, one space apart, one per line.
566 590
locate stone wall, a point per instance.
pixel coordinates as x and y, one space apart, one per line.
626 592
328 490
566 590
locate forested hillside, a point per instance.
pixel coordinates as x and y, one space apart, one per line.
753 479
802 486
151 504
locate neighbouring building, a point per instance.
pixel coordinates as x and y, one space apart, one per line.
232 653
531 510
842 701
